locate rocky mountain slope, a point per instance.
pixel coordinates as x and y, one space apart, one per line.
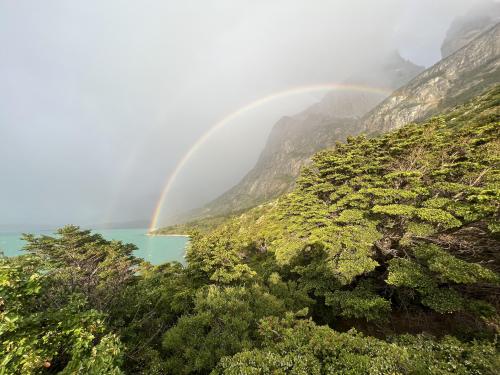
294 139
466 28
453 80
463 74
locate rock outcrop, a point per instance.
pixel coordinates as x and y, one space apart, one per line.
462 75
468 27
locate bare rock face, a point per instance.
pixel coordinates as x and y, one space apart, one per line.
468 27
294 139
462 75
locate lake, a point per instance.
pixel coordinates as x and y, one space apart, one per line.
155 249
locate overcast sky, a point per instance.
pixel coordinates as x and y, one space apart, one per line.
99 100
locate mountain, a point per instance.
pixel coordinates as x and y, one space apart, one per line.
465 73
294 139
466 28
419 94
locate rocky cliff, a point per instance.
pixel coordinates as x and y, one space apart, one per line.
464 74
468 27
294 139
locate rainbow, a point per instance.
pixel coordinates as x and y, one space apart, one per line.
233 115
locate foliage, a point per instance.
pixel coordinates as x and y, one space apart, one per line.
85 263
35 337
361 302
222 323
146 310
203 225
387 250
412 210
216 257
291 346
104 359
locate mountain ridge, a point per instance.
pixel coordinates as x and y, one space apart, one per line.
467 72
467 27
293 139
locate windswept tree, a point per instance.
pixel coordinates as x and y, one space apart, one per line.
82 262
54 303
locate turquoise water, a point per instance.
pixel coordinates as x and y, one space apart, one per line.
155 249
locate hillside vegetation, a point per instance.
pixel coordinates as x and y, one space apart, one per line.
384 259
203 225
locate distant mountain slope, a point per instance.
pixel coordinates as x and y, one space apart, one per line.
466 28
453 80
294 139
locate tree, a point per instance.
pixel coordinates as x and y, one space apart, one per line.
298 346
377 226
36 337
85 263
223 322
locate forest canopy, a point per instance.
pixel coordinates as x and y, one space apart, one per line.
384 259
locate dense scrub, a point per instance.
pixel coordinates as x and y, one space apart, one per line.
383 260
406 222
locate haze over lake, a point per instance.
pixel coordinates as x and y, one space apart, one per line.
154 249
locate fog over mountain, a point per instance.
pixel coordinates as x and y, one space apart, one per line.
101 100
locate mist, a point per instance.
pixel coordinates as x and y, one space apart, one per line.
101 100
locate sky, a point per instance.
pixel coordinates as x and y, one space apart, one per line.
100 100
